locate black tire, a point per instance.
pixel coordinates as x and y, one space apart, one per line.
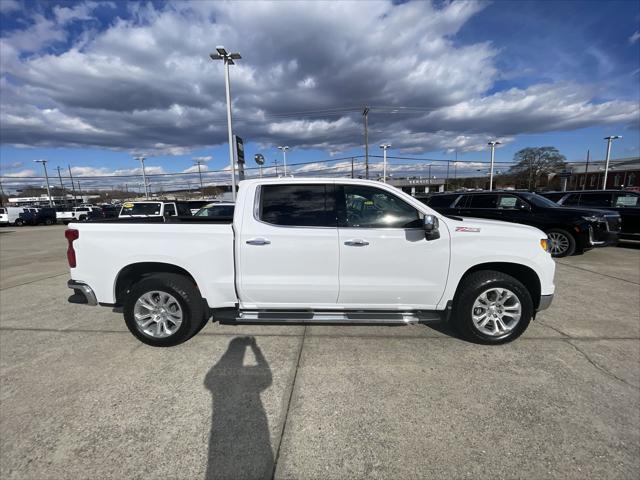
184 291
471 288
48 221
563 236
19 222
66 222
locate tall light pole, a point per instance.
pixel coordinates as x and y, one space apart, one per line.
199 163
492 144
365 114
609 139
46 176
384 147
144 176
284 157
228 59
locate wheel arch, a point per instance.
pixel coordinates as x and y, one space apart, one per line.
523 273
134 272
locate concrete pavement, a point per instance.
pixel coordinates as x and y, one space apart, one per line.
81 398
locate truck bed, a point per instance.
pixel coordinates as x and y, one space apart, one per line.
170 220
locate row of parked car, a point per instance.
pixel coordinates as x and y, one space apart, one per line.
574 221
148 209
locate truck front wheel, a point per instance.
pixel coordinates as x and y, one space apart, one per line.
164 309
491 307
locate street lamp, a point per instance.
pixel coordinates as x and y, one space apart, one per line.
144 176
384 148
492 144
609 139
228 59
46 176
284 157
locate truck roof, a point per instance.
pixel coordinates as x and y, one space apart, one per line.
291 180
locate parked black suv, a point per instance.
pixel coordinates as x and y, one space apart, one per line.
570 230
626 203
39 216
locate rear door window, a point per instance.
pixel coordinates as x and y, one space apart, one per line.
298 205
625 200
595 199
510 202
484 201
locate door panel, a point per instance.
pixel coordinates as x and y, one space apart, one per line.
396 268
385 262
293 261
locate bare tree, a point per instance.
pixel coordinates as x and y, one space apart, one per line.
533 162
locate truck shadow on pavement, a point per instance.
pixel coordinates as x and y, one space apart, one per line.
239 442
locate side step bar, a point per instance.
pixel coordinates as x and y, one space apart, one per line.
328 317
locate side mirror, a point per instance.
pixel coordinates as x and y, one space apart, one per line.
525 206
431 231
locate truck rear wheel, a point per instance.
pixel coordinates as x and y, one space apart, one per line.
164 310
491 308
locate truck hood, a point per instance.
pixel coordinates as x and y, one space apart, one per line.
485 224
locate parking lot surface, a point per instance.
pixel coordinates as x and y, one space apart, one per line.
82 398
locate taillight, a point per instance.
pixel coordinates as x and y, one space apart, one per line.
71 235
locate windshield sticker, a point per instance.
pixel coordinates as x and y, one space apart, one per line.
467 229
128 205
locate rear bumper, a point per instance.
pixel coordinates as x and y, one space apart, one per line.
545 302
82 293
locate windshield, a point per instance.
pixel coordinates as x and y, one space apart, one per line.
213 210
141 209
539 200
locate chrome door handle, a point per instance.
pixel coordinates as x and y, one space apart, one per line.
258 241
356 243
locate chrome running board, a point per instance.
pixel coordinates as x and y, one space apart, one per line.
334 317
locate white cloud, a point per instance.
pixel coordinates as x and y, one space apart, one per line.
146 83
194 169
8 6
635 37
205 158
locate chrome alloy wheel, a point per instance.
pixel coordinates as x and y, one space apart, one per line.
158 314
558 243
496 312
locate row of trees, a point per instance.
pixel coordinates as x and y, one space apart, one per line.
534 166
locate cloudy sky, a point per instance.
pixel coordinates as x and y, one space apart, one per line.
90 84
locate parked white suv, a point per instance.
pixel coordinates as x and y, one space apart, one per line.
315 251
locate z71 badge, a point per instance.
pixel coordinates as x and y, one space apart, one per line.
467 229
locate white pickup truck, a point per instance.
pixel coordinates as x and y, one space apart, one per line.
315 251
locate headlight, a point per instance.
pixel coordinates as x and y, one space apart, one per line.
593 218
544 243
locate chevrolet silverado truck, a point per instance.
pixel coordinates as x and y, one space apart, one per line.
314 251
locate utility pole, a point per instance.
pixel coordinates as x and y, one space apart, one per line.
384 147
228 59
1 195
609 139
365 113
73 188
429 183
492 144
198 163
446 179
586 170
351 167
276 164
61 186
46 176
144 176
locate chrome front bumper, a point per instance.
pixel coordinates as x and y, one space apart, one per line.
545 302
83 293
